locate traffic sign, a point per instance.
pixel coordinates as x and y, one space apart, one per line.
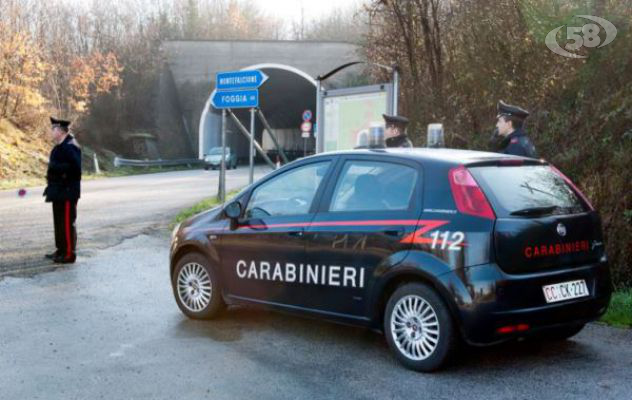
306 126
235 99
248 79
307 115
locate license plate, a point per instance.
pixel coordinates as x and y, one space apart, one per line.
565 291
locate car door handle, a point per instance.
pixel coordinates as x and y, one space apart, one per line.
394 232
295 234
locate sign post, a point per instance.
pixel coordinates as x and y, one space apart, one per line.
236 89
306 127
221 192
251 151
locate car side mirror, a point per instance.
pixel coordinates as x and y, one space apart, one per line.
233 210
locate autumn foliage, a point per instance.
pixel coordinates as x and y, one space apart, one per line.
92 75
33 82
22 71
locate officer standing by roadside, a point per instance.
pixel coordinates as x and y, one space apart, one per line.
509 136
63 190
395 132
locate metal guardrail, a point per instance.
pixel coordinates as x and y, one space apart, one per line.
125 162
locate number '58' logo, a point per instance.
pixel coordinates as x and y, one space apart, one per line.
581 36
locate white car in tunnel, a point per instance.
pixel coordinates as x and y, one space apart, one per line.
213 159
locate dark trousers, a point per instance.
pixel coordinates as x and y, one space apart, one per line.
64 216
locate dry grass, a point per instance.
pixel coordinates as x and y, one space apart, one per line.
23 157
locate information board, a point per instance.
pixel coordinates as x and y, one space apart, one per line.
347 116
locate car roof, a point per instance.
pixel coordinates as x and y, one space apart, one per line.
441 155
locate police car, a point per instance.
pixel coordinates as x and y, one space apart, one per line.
430 246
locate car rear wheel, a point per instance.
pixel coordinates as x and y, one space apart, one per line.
419 328
196 287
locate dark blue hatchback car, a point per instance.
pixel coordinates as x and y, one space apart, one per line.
430 246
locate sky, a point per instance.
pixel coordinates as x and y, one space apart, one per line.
290 10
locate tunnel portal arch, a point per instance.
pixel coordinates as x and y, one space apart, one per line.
282 99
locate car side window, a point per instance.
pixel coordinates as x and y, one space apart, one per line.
290 193
374 186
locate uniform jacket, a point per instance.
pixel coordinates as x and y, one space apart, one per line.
64 171
518 143
399 141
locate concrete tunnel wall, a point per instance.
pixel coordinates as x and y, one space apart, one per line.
188 82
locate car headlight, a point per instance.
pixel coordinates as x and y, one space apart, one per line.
175 230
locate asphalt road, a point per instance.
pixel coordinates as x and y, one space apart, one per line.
109 210
108 328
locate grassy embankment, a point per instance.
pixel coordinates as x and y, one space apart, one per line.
197 208
620 311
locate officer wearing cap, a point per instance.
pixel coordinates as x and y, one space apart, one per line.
63 190
395 132
509 136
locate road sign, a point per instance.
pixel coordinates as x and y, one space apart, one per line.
235 99
305 134
307 115
306 126
249 79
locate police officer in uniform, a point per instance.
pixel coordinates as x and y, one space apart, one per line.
63 190
395 132
509 136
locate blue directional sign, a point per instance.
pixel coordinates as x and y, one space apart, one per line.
249 79
235 99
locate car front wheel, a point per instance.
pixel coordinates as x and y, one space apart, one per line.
419 328
196 287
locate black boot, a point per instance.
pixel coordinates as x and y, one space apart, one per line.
52 256
63 259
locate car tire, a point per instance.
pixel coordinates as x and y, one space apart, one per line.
206 167
196 287
419 328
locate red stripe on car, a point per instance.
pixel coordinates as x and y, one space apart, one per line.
425 227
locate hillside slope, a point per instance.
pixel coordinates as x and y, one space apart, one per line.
23 156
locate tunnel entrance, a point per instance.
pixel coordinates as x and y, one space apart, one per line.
282 99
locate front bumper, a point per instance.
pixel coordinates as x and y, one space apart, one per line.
486 299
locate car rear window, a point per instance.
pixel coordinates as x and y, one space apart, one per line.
512 189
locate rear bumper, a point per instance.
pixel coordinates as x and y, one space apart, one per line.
490 299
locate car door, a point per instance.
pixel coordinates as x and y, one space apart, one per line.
268 239
371 205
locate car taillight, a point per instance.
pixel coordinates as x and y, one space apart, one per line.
572 185
468 196
513 328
